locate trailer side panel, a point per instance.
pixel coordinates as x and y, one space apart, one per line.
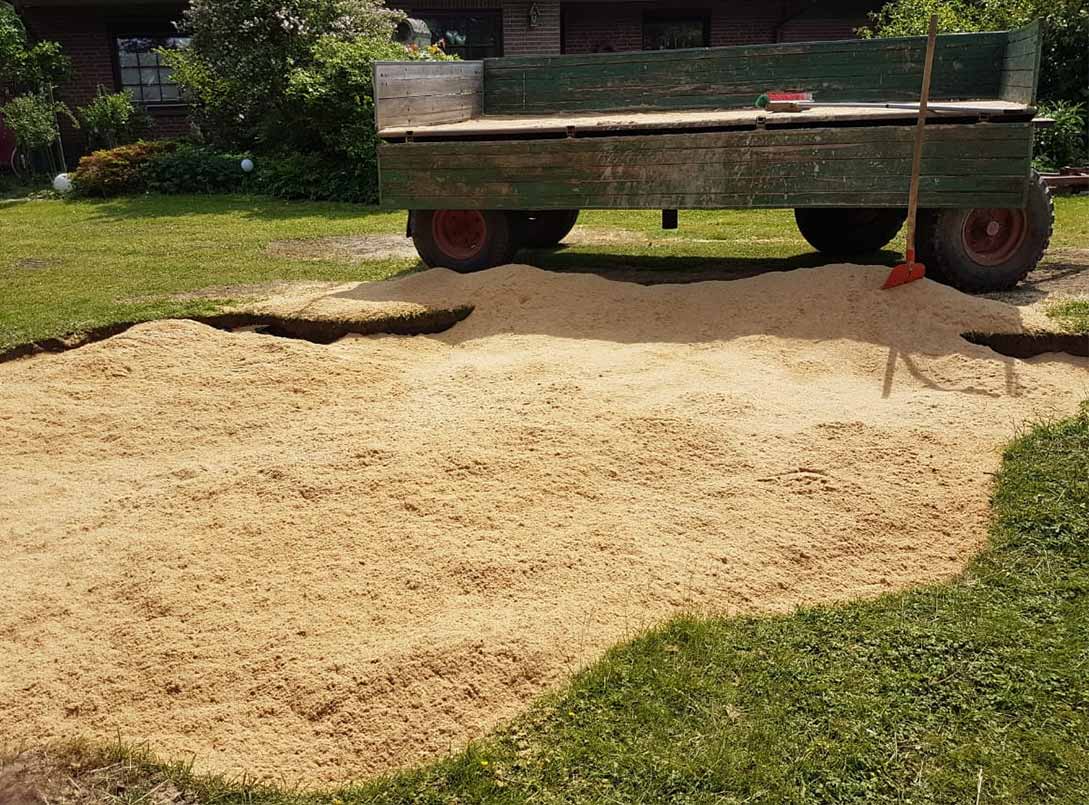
964 165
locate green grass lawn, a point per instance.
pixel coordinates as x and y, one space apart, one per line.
973 691
67 266
1072 314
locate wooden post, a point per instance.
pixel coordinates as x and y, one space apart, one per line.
917 154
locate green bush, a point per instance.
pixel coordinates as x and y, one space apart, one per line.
195 169
299 81
32 119
118 171
172 167
1065 142
112 119
314 177
237 83
26 67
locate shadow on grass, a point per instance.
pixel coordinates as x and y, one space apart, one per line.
263 208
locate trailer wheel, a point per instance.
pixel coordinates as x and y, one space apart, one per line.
464 240
845 231
539 229
983 249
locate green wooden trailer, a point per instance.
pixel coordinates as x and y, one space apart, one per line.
492 156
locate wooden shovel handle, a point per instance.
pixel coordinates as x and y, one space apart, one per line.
920 125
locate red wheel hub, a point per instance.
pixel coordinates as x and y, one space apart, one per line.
459 233
992 236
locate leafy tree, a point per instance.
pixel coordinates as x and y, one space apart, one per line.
27 67
244 55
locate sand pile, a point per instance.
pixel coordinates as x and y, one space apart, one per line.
319 562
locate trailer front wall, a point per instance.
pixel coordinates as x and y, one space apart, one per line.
976 165
997 65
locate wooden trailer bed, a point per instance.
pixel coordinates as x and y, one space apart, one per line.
535 137
575 124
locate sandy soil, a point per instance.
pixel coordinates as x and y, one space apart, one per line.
1064 273
320 562
351 248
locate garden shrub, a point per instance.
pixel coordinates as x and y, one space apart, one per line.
299 81
117 171
32 119
182 167
314 177
193 168
1065 142
112 119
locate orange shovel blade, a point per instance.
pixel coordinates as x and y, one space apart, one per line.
905 273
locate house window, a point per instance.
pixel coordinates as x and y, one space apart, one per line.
143 72
468 34
672 31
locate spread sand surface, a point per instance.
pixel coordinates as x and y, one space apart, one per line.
322 562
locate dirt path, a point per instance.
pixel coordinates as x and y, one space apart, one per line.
319 562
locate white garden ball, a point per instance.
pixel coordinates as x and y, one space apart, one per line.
62 184
247 165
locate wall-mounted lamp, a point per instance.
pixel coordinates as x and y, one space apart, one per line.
534 15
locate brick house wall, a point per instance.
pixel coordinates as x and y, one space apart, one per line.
602 27
519 37
87 36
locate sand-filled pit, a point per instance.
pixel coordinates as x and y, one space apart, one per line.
320 562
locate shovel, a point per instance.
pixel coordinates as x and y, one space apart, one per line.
909 270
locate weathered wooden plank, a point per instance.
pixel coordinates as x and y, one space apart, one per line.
826 156
969 41
734 170
962 138
729 57
414 109
708 178
714 201
845 87
649 97
679 97
798 67
416 87
709 83
453 92
415 69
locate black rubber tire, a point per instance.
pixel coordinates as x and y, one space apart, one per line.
497 248
541 229
846 231
941 248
